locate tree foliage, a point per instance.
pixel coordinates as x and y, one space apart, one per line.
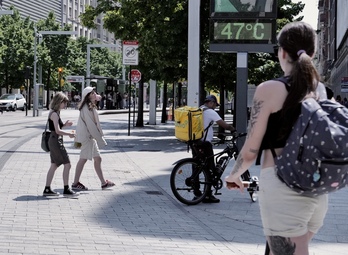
161 27
16 49
54 51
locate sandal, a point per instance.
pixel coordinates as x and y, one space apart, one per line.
79 186
108 184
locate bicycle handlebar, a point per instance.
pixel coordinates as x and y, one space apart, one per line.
235 136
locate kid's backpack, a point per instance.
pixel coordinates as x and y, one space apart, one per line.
189 124
314 160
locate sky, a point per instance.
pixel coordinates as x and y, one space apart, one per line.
310 11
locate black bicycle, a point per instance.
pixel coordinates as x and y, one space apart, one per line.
191 178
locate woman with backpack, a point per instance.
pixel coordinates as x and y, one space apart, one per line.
289 219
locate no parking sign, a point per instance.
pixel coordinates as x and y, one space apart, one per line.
130 54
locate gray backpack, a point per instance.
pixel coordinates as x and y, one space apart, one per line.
314 160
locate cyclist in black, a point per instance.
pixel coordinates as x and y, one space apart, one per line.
209 117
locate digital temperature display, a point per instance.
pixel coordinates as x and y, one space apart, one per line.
243 31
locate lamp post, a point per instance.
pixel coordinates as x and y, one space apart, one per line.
36 91
89 46
39 35
6 12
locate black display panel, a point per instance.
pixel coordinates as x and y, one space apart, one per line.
243 31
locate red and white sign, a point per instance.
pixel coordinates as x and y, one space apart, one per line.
135 75
130 54
344 84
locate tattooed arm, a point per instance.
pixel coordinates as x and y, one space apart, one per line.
264 103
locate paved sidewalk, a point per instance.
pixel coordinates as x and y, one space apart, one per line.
139 215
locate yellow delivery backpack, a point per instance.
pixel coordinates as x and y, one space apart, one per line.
189 124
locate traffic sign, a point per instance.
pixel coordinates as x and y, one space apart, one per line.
344 84
74 78
130 53
135 75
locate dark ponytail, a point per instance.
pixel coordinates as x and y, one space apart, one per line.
298 39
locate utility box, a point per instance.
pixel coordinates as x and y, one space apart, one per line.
40 89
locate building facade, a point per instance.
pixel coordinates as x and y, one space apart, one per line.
333 45
71 11
34 9
66 12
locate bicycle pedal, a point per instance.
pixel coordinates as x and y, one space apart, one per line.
216 193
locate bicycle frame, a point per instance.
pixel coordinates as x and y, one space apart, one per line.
231 151
190 173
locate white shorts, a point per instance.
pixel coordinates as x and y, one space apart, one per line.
285 212
89 149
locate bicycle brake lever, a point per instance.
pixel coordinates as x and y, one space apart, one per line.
221 136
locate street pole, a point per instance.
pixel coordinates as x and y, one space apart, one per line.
129 98
241 120
88 73
193 52
36 88
88 69
40 66
36 98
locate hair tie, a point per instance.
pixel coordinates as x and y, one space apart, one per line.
300 52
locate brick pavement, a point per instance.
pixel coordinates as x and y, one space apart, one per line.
138 216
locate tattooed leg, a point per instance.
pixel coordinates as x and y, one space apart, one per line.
281 245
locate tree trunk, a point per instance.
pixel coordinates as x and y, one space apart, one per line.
222 103
140 119
164 106
179 94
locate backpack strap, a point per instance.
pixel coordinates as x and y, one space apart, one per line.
203 108
285 80
258 159
205 130
205 135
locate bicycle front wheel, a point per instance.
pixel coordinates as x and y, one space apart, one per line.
189 182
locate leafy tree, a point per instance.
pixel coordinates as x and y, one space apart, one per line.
52 52
161 28
158 26
17 52
16 49
76 63
104 62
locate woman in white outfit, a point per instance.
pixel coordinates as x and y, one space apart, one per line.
89 133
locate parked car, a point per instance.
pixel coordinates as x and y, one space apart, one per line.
12 102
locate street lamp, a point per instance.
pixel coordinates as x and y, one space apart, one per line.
89 46
39 35
6 12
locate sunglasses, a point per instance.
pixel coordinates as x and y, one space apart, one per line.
275 50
